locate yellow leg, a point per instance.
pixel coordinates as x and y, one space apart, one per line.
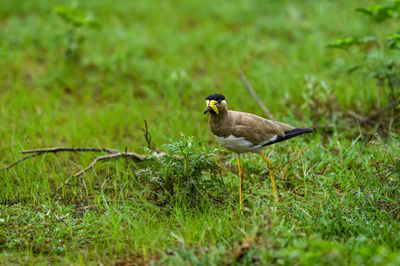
271 174
240 168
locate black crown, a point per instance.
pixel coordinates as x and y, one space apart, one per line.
216 97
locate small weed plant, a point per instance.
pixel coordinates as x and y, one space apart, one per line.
185 174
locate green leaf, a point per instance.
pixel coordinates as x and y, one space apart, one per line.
347 42
393 40
76 17
366 39
354 68
342 43
381 13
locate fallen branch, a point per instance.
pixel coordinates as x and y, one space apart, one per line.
74 149
111 154
37 152
254 94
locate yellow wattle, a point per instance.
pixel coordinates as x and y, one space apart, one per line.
213 105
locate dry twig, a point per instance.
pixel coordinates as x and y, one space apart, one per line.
253 93
147 135
370 118
127 155
383 109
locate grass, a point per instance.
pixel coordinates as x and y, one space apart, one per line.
338 190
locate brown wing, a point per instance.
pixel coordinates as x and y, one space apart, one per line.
256 129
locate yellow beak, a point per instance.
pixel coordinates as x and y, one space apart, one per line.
211 105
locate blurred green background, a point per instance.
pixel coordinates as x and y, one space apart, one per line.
159 60
88 73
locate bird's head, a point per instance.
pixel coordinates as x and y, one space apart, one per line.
216 104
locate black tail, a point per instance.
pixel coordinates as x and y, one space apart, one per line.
291 134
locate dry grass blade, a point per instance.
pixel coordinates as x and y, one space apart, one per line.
255 96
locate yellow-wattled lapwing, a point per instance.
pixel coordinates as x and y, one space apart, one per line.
243 132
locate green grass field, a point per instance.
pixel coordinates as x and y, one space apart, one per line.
339 188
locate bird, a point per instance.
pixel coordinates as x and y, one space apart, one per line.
242 132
